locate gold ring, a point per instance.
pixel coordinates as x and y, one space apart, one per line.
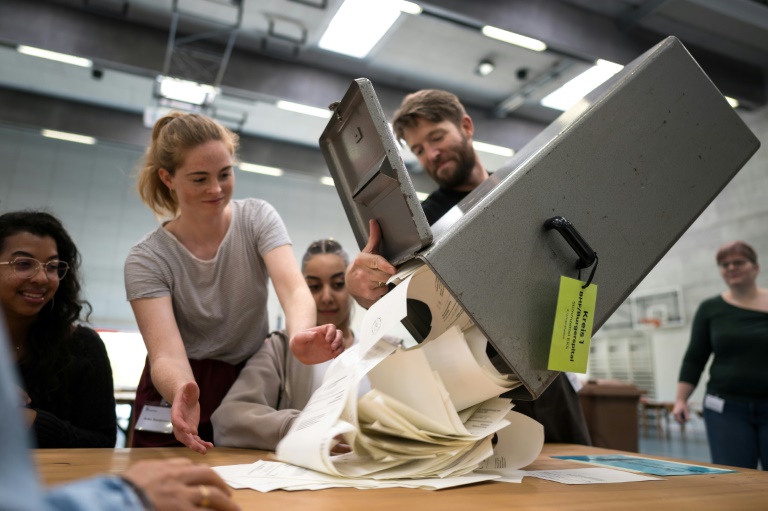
204 500
382 284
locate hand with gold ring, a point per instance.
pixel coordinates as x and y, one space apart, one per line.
205 494
179 484
366 278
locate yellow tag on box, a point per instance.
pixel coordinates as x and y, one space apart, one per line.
572 333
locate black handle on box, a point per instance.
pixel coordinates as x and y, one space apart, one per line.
566 229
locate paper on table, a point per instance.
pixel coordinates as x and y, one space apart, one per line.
489 417
267 476
589 476
466 413
407 426
645 465
519 444
374 410
309 440
407 377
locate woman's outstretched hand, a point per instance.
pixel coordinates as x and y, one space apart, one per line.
318 344
185 417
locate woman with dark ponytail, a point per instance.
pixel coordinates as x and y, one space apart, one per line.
66 375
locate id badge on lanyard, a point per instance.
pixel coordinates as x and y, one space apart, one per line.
155 417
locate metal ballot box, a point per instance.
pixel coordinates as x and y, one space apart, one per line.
630 167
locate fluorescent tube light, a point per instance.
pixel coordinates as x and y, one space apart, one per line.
422 196
186 91
261 169
493 149
52 55
69 137
359 25
327 181
410 8
567 95
512 38
304 109
733 102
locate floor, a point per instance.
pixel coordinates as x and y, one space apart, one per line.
690 446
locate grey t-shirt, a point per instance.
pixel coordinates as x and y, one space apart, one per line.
220 304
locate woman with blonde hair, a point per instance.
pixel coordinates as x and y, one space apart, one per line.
198 283
732 328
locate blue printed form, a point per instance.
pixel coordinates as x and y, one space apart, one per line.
645 465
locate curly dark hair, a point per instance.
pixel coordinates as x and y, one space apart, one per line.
49 347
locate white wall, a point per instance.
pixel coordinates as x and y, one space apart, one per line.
739 212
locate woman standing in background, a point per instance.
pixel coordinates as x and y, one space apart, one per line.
65 372
198 283
734 328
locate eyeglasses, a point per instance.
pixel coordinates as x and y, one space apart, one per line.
27 267
736 263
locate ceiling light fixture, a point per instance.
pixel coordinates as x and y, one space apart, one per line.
410 8
512 38
260 169
422 196
69 137
733 102
567 95
304 109
186 91
360 24
493 149
485 67
52 55
327 181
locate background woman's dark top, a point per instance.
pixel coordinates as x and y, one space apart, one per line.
739 340
80 412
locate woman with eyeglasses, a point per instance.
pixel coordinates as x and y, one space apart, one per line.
274 386
67 393
733 327
198 283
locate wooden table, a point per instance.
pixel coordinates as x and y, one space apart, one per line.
745 490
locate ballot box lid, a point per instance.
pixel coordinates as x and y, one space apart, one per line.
630 167
370 176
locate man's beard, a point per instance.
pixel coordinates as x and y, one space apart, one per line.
464 156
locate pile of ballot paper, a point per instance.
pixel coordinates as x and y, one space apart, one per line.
433 411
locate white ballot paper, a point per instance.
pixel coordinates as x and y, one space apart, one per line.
589 476
265 476
430 419
518 445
